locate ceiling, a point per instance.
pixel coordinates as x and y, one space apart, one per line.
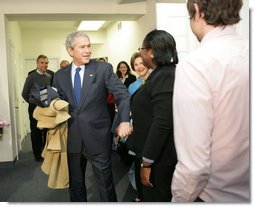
128 1
70 21
67 21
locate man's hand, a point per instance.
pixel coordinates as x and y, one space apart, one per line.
124 129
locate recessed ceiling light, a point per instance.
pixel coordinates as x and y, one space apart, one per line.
90 25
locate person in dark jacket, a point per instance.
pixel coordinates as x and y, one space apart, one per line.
123 71
86 84
39 76
151 106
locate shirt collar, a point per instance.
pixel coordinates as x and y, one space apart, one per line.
38 71
218 31
73 67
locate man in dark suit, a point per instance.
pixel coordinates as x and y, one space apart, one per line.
85 83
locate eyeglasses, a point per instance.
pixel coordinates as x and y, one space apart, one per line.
141 48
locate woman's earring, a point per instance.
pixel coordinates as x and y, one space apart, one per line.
151 56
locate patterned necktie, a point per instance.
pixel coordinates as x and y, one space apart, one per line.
77 85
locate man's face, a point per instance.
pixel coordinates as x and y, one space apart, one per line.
63 64
42 64
81 53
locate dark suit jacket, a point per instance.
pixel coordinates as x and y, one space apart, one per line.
131 78
89 125
151 107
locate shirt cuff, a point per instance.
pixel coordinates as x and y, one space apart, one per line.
148 160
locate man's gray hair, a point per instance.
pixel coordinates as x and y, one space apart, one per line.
69 43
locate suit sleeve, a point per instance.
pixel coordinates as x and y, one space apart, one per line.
120 93
162 124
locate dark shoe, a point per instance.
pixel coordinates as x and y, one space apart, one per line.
38 159
136 200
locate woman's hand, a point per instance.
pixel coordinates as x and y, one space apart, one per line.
4 122
145 173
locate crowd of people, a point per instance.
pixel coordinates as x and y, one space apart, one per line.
184 124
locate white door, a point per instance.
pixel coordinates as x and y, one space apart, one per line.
173 18
12 74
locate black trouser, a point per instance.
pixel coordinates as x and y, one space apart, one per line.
161 177
38 137
111 111
137 162
101 165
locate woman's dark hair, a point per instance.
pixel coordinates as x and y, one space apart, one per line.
118 72
163 45
217 12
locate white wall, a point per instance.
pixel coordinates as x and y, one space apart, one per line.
174 18
243 26
49 42
125 37
121 42
6 142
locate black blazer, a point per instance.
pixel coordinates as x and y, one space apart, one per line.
131 78
152 114
89 125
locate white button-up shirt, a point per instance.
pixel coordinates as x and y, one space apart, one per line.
81 73
211 120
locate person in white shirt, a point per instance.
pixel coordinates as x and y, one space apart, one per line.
211 109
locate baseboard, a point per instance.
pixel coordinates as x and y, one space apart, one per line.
14 162
8 164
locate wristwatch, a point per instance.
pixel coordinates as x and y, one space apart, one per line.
145 166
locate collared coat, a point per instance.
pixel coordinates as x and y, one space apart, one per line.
55 163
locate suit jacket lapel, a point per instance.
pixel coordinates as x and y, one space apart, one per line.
69 86
89 78
68 83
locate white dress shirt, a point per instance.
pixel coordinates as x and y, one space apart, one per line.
211 120
81 73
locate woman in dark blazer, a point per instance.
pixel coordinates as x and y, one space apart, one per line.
123 71
151 105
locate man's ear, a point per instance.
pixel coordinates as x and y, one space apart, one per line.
70 51
198 13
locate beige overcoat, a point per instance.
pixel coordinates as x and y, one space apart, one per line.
55 163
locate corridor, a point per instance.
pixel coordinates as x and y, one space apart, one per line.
25 182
